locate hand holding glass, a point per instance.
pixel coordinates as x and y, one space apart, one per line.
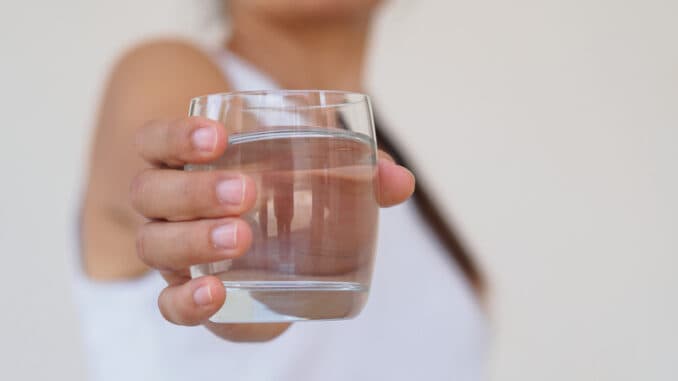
312 155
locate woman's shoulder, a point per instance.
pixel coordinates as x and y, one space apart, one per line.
162 49
168 62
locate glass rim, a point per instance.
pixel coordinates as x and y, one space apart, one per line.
224 96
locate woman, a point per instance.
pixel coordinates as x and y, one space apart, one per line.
422 319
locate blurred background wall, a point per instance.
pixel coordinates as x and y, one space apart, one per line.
549 129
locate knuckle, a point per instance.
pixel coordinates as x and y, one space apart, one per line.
190 187
185 192
139 137
193 189
141 241
186 248
177 141
136 188
197 245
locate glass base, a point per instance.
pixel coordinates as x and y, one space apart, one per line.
288 301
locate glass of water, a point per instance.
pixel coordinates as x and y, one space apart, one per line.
312 155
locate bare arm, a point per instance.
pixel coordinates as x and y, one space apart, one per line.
152 82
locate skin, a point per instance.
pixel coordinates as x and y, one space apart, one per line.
142 211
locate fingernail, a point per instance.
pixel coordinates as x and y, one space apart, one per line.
231 191
202 296
204 138
225 236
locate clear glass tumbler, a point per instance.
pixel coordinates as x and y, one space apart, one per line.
312 155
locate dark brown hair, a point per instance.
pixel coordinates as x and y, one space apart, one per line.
431 213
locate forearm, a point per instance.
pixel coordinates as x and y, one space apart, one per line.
108 234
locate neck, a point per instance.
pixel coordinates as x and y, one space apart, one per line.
323 55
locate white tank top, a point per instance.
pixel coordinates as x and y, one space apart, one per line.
421 320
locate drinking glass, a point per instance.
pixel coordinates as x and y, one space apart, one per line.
312 155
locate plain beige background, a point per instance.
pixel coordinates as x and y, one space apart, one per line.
549 128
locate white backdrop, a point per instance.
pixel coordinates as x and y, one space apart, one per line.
548 128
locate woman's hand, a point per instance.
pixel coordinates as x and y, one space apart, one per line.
194 218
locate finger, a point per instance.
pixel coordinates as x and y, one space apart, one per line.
193 302
396 183
384 155
177 195
175 143
172 246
